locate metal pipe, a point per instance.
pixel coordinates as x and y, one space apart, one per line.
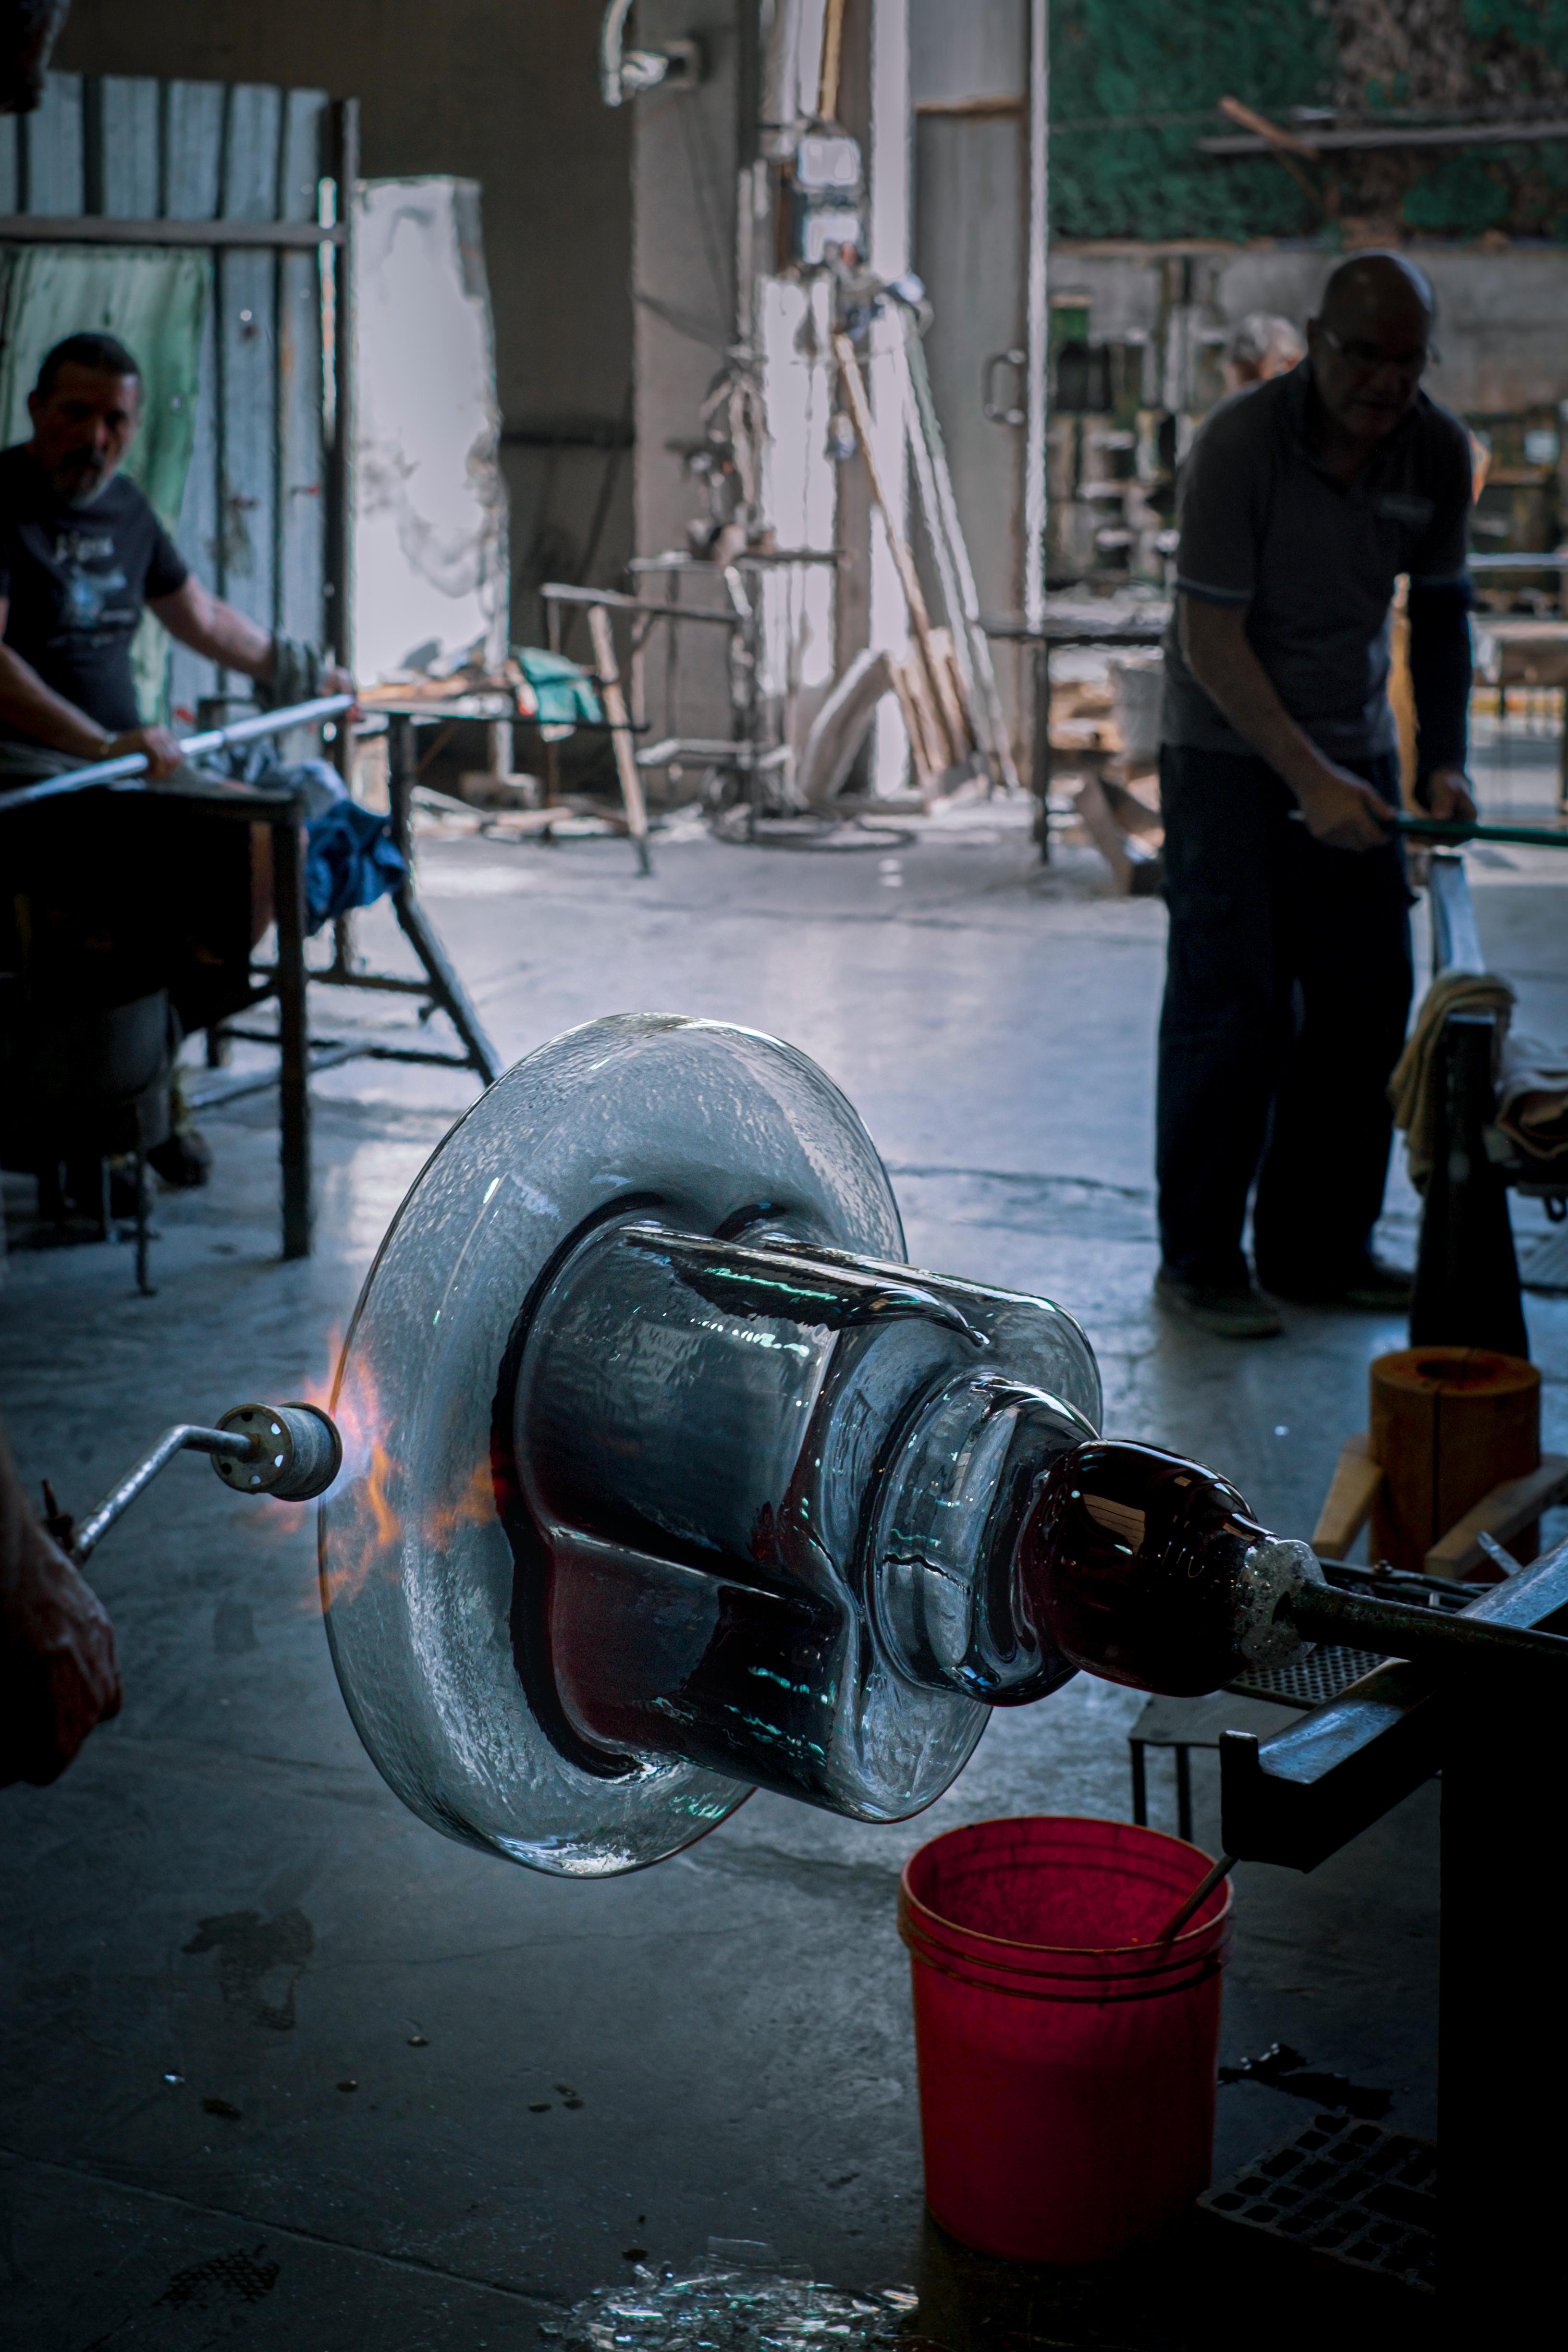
781 72
185 1436
132 764
1426 1636
1038 339
1200 1893
291 1451
1452 832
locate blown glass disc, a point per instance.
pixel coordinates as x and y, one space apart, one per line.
710 1126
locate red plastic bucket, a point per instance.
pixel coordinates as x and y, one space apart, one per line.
1067 2061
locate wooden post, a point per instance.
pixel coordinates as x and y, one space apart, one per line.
938 677
832 61
615 704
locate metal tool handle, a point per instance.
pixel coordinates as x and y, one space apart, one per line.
290 1452
1426 1636
1453 831
130 765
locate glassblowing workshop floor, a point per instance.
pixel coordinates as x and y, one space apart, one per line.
220 1919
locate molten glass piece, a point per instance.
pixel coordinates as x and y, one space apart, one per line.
666 1478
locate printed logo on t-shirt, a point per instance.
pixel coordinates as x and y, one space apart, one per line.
89 579
1400 505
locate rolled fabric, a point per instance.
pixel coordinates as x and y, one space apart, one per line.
1415 1087
1532 1096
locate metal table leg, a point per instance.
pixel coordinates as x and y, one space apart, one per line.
293 1031
1040 749
445 988
1185 1794
1139 1784
1503 2055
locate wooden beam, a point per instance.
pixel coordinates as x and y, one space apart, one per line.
1269 133
1444 134
1347 1505
609 684
1516 1503
98 228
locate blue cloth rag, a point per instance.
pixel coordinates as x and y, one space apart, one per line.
351 860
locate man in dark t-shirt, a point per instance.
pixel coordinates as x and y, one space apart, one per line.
75 580
111 898
1289 973
81 555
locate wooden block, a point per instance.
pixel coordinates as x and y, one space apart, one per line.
1133 814
1347 1505
1122 851
1449 1425
1508 1511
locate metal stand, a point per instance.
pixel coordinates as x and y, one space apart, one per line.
1504 2090
444 990
1041 638
1466 1277
1298 1797
1467 1274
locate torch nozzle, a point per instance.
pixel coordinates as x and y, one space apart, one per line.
291 1452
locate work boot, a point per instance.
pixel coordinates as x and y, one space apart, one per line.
1370 1285
1234 1310
185 1161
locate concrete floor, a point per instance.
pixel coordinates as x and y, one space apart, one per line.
284 2066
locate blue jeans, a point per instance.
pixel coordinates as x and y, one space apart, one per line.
1287 987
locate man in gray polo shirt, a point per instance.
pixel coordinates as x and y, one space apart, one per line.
1289 975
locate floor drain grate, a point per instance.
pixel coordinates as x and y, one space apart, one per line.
1345 2190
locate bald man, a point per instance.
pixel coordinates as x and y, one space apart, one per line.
1289 973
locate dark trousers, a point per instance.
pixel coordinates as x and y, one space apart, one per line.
1287 991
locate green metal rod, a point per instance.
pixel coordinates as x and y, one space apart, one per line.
1454 832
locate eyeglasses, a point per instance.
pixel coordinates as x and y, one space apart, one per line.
1366 359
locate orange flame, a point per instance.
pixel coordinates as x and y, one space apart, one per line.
368 1536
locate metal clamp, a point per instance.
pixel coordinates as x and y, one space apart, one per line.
991 407
625 74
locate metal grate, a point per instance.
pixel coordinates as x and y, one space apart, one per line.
1345 2190
1311 1678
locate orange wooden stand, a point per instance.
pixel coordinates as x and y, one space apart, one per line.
1453 1454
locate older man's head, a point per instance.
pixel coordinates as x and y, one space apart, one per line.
1371 343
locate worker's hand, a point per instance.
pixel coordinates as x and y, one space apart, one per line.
337 681
59 1676
164 754
1342 811
1446 794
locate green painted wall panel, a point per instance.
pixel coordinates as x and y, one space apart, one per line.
1135 85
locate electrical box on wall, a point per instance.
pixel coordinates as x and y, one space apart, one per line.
825 218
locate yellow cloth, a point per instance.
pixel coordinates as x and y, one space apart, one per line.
1415 1087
